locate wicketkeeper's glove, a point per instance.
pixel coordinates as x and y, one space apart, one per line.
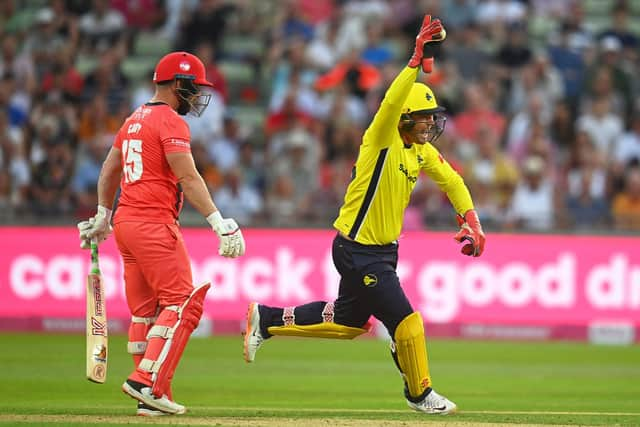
97 227
471 231
430 32
231 240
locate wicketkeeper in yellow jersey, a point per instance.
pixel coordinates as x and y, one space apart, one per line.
395 148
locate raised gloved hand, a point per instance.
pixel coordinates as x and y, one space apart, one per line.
430 32
471 231
97 227
228 231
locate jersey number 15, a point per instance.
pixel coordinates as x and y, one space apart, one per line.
132 159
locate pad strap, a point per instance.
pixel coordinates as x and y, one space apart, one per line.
135 345
288 316
327 312
149 365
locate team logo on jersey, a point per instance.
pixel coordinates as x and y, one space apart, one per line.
185 66
370 280
420 158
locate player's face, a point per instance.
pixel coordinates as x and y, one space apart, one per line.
423 128
191 97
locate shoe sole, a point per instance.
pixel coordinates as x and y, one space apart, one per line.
135 394
151 413
450 411
248 331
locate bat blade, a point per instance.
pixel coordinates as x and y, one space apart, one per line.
96 329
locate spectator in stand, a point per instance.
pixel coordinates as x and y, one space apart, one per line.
626 204
296 81
66 24
585 156
278 123
299 159
601 86
13 161
505 12
537 111
477 113
85 178
224 151
626 150
281 207
515 52
206 52
6 208
205 23
585 212
532 207
579 37
13 103
540 76
561 127
459 14
42 41
603 126
17 63
569 63
212 176
53 121
238 198
98 125
619 27
50 191
14 20
586 185
376 52
354 15
63 77
358 75
469 53
609 61
251 165
322 51
108 80
492 170
140 14
537 143
101 28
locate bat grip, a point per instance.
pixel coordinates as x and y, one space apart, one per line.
95 266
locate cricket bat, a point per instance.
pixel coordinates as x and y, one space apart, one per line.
97 337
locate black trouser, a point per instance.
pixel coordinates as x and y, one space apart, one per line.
369 286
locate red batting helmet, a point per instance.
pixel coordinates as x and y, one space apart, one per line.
181 65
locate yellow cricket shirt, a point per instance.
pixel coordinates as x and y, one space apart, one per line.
386 172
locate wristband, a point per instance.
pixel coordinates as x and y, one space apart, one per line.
104 212
214 219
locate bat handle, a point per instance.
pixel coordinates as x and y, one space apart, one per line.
95 266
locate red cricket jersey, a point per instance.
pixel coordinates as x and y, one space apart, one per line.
149 190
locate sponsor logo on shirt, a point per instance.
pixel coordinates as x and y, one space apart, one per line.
179 142
411 178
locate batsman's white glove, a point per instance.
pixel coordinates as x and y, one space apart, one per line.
98 227
228 231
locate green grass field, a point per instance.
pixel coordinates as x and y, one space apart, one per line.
298 382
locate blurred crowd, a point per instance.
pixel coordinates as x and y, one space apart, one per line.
541 97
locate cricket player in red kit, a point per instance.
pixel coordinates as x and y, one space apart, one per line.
152 164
